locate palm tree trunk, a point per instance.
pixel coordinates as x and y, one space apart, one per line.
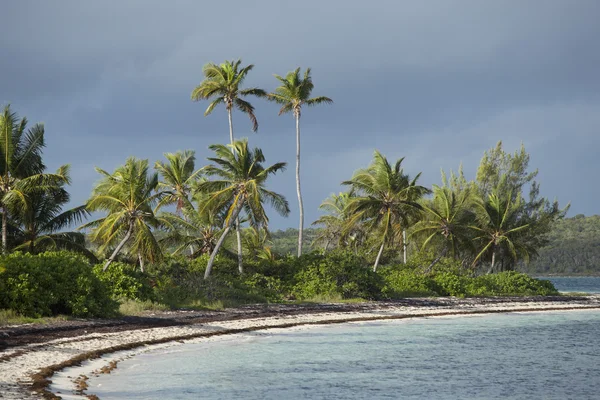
119 247
230 125
404 244
378 256
300 205
238 233
141 259
4 230
442 254
211 260
493 261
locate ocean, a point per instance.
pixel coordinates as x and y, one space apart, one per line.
550 355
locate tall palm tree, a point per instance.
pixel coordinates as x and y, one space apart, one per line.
500 230
21 166
293 93
447 220
387 199
39 225
240 185
127 196
222 83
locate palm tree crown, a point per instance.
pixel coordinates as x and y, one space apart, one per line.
240 184
222 82
178 175
387 199
127 196
21 166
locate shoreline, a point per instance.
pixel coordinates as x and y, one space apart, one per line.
26 370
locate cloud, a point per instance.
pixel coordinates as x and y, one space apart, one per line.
435 81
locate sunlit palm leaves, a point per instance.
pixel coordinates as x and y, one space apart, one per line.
40 225
500 231
338 227
222 83
21 167
386 200
127 197
178 175
239 183
447 220
292 94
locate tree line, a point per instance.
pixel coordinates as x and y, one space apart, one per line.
489 224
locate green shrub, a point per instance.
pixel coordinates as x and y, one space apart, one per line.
53 283
335 274
125 282
405 282
451 284
511 283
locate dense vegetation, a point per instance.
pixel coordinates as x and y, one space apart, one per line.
573 248
176 234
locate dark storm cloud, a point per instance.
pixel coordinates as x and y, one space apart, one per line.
438 82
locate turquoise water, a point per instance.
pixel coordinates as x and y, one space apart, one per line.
589 284
506 356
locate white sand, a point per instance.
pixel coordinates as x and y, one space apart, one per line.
15 374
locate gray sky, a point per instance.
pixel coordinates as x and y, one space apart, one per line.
436 81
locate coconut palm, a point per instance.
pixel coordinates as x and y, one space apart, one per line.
500 231
127 196
21 166
447 221
177 175
387 200
293 93
40 225
222 83
258 243
240 184
198 228
338 226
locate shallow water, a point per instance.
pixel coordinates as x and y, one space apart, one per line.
588 284
507 356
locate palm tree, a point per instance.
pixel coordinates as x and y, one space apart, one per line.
500 230
127 196
339 228
240 185
387 199
222 83
21 166
178 175
198 228
39 225
293 93
258 243
448 218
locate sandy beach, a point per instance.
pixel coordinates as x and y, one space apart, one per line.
32 354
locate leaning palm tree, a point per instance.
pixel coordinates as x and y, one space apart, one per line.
240 184
127 196
293 93
222 84
21 166
40 225
500 230
387 200
447 221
